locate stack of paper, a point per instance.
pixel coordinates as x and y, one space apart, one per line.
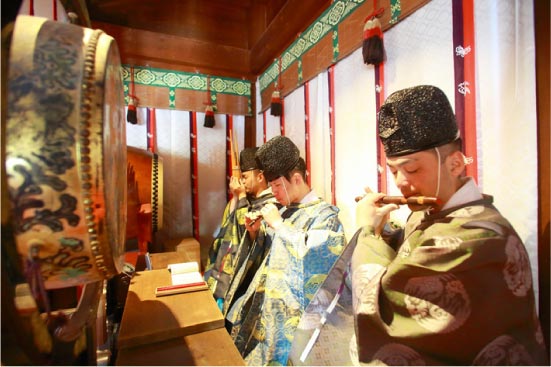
185 278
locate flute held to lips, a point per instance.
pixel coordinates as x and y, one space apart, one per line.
254 216
400 200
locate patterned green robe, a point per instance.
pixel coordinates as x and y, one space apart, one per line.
229 235
250 256
303 250
457 291
223 261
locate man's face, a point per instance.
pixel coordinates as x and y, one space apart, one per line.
415 174
248 179
282 190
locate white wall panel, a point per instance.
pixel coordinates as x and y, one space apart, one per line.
238 130
211 152
136 135
355 135
319 137
507 121
259 118
294 119
173 145
273 125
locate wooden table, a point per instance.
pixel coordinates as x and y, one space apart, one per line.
180 329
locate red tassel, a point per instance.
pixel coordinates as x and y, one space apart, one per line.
373 47
132 115
276 107
209 117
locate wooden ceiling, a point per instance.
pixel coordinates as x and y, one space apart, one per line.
237 38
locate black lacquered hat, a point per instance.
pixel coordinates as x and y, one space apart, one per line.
277 157
416 119
247 161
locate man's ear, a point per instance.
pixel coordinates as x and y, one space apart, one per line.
456 163
297 178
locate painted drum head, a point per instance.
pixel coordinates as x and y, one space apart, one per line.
66 151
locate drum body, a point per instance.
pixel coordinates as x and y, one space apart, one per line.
66 151
145 177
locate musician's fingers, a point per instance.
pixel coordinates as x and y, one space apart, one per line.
370 197
367 190
386 209
267 208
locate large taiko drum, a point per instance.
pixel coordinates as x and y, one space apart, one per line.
66 151
145 194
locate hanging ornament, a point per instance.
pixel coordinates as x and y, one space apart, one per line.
131 113
276 106
209 110
373 49
209 117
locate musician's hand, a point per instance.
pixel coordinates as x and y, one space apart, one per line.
252 225
236 187
271 215
372 214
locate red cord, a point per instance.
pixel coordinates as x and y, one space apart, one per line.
132 93
374 13
208 102
55 9
279 85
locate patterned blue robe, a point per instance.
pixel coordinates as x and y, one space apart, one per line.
303 250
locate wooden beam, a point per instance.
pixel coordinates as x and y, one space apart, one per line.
283 30
159 50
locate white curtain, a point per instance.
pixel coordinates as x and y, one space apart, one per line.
319 136
294 119
506 107
211 156
259 118
173 146
355 135
273 125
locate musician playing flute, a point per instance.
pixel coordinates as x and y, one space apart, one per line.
250 191
306 238
455 286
